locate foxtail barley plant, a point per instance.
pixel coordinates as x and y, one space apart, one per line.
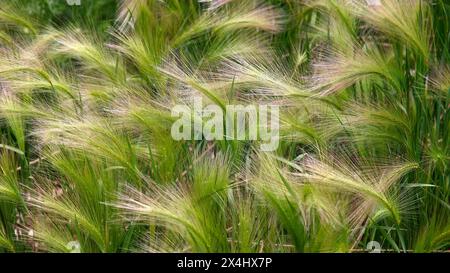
88 161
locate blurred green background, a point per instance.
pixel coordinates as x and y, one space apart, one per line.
99 14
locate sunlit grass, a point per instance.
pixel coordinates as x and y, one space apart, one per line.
87 157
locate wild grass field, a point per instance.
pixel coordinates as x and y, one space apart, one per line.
88 162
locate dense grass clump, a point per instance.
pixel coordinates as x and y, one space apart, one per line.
87 159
